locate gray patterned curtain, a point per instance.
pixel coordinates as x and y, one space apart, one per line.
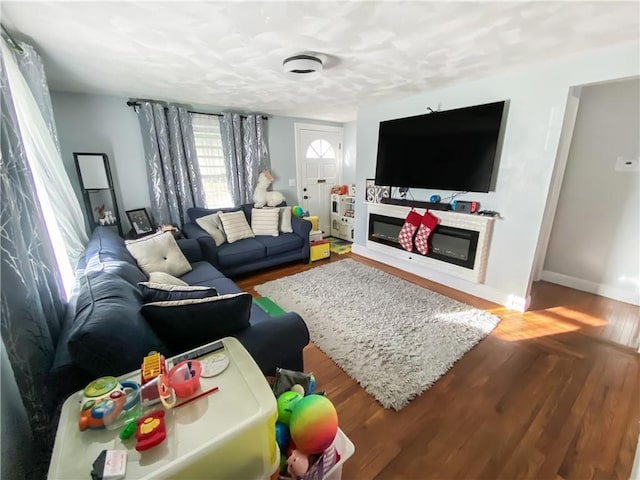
244 143
175 183
32 296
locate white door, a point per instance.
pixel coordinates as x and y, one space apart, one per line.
319 167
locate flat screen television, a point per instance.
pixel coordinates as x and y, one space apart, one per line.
449 150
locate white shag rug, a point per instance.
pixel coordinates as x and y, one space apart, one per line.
392 336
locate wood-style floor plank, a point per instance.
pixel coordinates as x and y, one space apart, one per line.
552 393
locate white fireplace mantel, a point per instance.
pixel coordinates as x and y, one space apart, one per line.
481 224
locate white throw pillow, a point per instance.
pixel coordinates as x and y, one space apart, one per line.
285 220
211 224
264 221
166 279
235 226
159 253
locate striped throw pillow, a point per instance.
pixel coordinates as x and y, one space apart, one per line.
264 221
235 226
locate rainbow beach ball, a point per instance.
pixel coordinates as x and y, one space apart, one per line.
313 424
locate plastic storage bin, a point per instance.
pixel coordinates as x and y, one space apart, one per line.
346 449
227 434
319 250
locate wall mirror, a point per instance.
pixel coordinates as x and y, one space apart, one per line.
97 190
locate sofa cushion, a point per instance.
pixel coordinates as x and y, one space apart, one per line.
109 335
241 252
265 221
159 253
106 252
201 273
213 226
185 324
286 242
196 212
235 226
285 220
166 279
223 286
158 292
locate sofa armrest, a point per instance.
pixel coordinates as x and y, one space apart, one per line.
207 244
273 341
301 227
191 249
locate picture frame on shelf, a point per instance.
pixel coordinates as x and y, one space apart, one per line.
375 193
140 221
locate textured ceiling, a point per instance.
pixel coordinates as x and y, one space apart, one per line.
229 54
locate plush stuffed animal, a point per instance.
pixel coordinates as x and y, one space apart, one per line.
261 197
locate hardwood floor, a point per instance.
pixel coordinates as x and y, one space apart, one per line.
553 393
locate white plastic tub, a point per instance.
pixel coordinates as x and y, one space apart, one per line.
346 449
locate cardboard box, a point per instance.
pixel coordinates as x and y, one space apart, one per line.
315 235
314 222
319 250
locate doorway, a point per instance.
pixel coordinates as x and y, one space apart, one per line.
318 168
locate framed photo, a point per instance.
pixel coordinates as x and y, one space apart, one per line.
140 221
370 190
375 193
382 192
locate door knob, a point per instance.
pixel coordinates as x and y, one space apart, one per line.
305 197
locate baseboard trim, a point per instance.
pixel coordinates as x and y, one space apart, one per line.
512 302
608 291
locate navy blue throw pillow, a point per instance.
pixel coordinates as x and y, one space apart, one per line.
160 292
186 324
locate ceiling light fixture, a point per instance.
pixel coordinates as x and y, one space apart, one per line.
303 65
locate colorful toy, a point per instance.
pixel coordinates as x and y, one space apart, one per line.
298 389
286 403
151 431
152 366
298 463
282 436
108 403
260 195
313 424
297 210
184 378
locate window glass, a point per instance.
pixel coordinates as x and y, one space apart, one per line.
206 132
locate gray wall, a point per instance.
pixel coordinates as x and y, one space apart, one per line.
104 124
596 230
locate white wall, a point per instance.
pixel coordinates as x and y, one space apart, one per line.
537 95
595 239
349 150
105 124
282 149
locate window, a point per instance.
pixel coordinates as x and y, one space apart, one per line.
206 131
320 149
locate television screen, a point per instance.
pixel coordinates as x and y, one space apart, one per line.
448 150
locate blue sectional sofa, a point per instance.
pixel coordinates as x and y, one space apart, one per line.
249 254
105 333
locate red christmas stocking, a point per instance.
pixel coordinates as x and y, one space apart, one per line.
411 224
427 225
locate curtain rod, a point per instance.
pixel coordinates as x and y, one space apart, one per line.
11 41
136 105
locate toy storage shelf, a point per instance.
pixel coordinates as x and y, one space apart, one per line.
342 215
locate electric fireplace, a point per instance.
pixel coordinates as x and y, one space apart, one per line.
449 244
